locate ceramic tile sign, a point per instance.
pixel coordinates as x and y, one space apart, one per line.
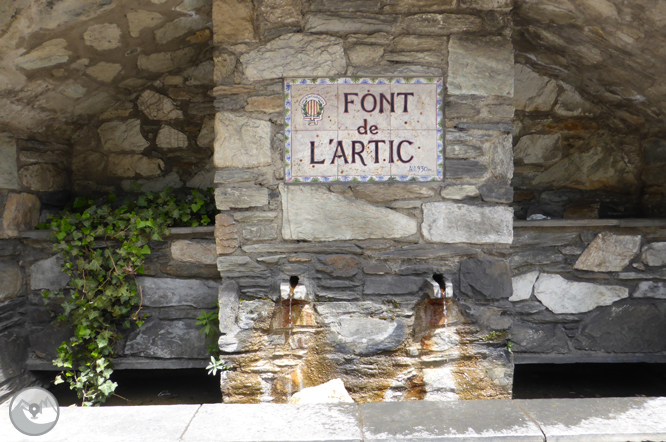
363 129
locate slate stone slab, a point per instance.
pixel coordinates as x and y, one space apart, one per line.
47 274
485 278
563 296
609 253
393 285
599 420
447 421
625 328
169 292
274 422
448 222
167 339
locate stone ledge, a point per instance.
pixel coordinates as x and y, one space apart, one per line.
590 223
127 363
539 420
175 231
583 358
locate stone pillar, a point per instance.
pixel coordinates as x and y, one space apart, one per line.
366 251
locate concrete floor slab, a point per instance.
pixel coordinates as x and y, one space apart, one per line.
599 420
164 423
274 422
447 421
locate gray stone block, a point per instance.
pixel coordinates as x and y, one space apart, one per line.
597 420
274 422
464 169
228 302
167 339
448 222
496 191
624 328
348 23
306 247
366 336
11 279
240 197
393 285
314 214
8 169
563 296
47 274
447 421
609 253
169 292
485 278
424 251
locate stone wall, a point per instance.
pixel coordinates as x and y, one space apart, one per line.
180 281
574 160
364 255
586 291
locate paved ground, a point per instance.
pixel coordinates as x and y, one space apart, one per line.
549 420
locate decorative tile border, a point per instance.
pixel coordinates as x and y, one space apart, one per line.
288 82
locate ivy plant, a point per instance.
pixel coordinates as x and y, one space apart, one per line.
209 323
104 245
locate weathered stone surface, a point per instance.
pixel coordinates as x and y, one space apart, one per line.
241 141
531 338
296 55
534 257
342 266
571 104
480 66
393 285
122 136
238 264
131 165
228 302
156 185
170 292
539 149
459 193
448 222
206 136
461 151
275 17
314 214
8 168
654 254
523 286
533 92
598 167
158 107
348 23
364 55
563 296
624 329
170 138
48 54
380 193
496 191
167 339
103 36
255 217
322 247
47 274
240 197
232 21
269 104
198 252
411 43
465 169
441 24
166 61
260 233
366 336
501 157
11 279
331 392
395 69
609 253
650 289
43 177
485 278
178 28
21 212
104 72
142 19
